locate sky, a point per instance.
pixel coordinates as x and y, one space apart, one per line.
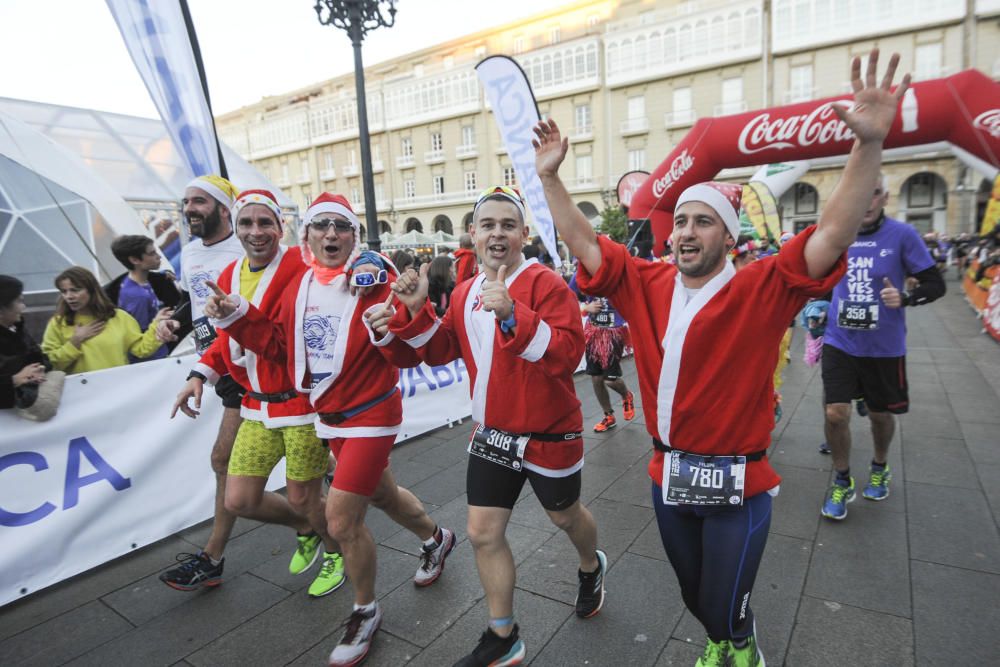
251 48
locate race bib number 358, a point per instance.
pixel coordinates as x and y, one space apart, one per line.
854 315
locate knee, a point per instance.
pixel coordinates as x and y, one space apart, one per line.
385 497
567 519
483 535
344 528
838 415
240 504
220 460
300 497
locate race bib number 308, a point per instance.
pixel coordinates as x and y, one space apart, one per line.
500 447
691 479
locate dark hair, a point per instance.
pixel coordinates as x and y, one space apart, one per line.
10 289
403 260
530 251
502 198
128 246
100 305
440 271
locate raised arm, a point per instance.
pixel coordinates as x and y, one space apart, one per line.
870 119
575 230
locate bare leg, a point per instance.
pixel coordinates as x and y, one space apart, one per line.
402 507
578 523
245 496
883 428
345 520
494 561
619 386
223 521
838 434
307 499
601 392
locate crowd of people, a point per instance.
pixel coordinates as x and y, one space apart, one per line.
303 346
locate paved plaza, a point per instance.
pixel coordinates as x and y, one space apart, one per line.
914 580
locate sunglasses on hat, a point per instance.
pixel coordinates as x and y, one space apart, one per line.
505 190
323 224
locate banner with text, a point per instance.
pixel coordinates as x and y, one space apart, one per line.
112 472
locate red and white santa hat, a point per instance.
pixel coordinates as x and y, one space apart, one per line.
262 197
724 198
324 205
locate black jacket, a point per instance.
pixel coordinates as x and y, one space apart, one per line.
17 350
163 287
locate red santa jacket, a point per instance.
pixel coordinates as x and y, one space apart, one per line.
465 264
706 367
253 372
366 368
521 383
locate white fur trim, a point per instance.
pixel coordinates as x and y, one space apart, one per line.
706 194
241 310
211 377
217 194
420 340
387 338
324 431
331 207
539 343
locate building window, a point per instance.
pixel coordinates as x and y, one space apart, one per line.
636 107
409 189
518 45
637 159
438 183
328 158
379 193
509 177
352 157
406 147
927 61
307 196
470 182
468 135
682 100
800 83
356 197
304 167
377 153
284 172
584 168
436 143
732 95
584 121
554 35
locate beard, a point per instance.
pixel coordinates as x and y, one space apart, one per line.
708 263
209 224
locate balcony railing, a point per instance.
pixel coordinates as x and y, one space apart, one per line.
468 150
679 118
582 133
404 161
351 170
797 95
582 183
327 174
434 157
635 126
455 197
727 108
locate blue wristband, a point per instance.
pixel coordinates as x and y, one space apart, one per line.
509 323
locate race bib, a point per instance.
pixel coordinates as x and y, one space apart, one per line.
855 315
604 318
691 479
204 333
500 447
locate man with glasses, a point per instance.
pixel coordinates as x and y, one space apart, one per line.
517 327
350 373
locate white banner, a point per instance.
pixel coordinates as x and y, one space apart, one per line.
516 113
112 472
157 39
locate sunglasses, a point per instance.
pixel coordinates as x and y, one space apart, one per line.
324 224
500 190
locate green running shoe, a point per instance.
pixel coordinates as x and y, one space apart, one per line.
840 494
330 577
305 554
878 484
716 654
748 656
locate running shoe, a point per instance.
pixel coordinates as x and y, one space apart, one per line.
824 448
330 577
628 407
194 571
495 651
306 553
878 484
716 654
840 494
590 595
357 640
432 560
861 407
605 424
747 656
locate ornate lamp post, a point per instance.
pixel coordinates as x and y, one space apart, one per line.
357 17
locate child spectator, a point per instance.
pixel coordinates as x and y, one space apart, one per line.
22 362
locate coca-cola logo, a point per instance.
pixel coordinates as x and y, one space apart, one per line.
989 122
677 169
821 125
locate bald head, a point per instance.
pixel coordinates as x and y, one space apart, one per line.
465 241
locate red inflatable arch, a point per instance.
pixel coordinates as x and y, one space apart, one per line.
963 110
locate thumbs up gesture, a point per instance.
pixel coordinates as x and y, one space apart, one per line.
891 297
220 305
411 288
495 297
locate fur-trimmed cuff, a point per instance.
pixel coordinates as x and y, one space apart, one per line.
211 377
387 338
240 311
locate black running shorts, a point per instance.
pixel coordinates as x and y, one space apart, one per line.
880 380
613 371
230 391
493 485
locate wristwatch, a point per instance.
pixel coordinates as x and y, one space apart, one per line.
196 374
509 323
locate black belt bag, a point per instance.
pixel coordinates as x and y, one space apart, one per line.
660 447
556 437
334 418
273 398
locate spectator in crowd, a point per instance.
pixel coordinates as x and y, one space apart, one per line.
88 333
142 291
403 260
442 281
466 263
22 362
530 251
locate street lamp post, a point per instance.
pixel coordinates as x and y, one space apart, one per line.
357 17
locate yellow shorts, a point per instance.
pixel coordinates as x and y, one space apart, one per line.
258 449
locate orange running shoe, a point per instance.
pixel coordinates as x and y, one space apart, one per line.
605 424
628 407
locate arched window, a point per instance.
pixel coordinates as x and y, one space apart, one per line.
751 28
669 46
384 227
412 224
442 224
700 38
684 43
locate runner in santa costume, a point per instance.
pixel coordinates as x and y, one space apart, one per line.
517 327
277 420
708 401
349 373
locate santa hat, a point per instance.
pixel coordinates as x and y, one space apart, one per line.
220 189
262 197
723 198
330 203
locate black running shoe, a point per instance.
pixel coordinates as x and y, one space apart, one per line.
194 571
590 597
495 651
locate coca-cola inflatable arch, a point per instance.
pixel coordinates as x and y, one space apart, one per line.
962 110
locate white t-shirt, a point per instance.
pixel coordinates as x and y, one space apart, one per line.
200 263
321 321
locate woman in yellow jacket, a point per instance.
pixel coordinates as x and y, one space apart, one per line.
88 333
